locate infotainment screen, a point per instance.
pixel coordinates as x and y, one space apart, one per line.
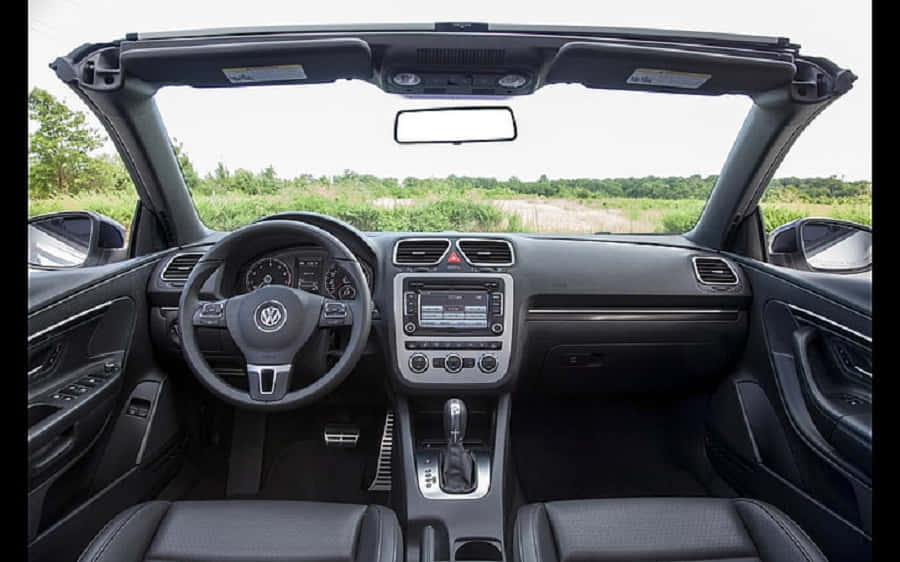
453 309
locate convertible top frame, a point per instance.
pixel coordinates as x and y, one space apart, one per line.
118 80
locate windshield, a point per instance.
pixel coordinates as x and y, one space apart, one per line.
583 161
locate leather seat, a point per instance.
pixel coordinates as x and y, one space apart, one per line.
245 530
737 530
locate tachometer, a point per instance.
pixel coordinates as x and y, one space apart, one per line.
339 285
267 271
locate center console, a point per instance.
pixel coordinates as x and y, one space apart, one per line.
453 329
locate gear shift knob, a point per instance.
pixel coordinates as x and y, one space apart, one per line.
456 417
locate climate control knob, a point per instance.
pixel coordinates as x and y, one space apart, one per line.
418 363
487 363
453 363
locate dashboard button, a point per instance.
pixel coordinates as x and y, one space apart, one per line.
487 363
453 363
468 362
497 328
409 328
418 363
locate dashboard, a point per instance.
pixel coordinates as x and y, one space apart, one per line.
618 313
309 268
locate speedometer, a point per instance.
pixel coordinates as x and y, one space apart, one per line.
267 271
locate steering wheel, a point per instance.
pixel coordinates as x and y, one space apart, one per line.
271 324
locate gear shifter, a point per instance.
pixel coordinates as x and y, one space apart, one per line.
457 464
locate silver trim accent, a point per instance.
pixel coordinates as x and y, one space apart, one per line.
642 314
431 459
828 321
382 480
70 319
162 274
512 254
737 278
862 371
251 368
337 438
466 376
398 242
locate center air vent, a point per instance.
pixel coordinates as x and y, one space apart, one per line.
484 251
714 271
420 251
179 268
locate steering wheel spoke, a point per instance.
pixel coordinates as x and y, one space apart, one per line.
210 314
335 313
268 383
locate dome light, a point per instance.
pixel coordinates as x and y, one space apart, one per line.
406 79
512 81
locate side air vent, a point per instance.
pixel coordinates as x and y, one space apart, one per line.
485 251
420 251
714 271
464 57
179 268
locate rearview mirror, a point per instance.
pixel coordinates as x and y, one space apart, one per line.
70 239
817 244
455 125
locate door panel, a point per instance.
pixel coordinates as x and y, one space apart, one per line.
792 425
89 358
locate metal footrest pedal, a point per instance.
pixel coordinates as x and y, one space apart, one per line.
341 435
382 480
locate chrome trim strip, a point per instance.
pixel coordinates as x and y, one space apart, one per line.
397 243
162 274
645 314
512 254
737 278
862 371
251 368
71 319
803 311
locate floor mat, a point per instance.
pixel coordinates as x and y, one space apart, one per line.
579 448
296 463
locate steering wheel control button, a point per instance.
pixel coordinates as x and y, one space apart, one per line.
409 328
335 310
418 363
487 363
497 328
453 363
270 316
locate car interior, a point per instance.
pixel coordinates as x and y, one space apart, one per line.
299 389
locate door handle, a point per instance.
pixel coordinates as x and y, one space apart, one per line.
56 449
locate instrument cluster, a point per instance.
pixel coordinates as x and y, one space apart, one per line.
311 270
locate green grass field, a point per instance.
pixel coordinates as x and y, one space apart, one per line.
474 210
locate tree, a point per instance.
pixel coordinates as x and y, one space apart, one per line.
58 151
191 178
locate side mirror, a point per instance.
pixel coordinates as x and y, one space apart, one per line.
71 239
818 244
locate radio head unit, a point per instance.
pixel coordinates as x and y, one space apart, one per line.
453 306
453 329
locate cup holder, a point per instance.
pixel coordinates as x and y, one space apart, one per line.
39 412
479 550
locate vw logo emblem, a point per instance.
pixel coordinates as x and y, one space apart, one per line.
270 316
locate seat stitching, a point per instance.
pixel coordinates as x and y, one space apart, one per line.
116 533
97 538
780 525
537 553
378 545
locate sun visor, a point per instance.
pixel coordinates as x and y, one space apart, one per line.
634 67
249 64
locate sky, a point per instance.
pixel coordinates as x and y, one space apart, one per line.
564 130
